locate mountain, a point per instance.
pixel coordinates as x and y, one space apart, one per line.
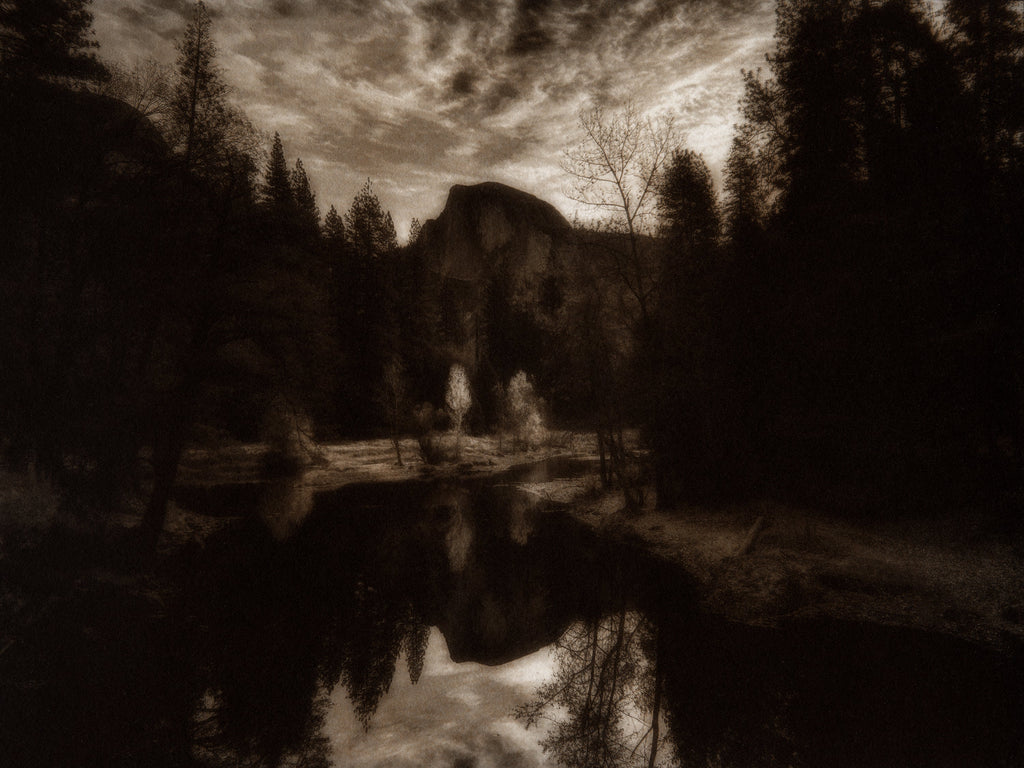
498 256
489 227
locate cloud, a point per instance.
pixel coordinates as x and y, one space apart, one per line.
457 714
409 91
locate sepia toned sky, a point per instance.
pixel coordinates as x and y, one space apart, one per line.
457 714
418 95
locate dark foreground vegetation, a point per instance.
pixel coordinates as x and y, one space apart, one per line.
843 327
854 338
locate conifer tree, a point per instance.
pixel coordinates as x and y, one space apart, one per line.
277 185
988 45
334 230
48 39
371 230
305 201
366 302
198 104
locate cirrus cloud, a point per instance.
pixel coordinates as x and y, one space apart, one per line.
421 94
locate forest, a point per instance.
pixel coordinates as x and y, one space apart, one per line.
840 325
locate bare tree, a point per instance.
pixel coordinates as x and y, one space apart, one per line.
145 87
615 169
394 402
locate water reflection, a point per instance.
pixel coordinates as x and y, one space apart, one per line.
656 687
403 625
348 600
457 714
283 506
604 700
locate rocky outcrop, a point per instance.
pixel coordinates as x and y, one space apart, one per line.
489 227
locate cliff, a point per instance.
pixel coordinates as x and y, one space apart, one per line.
489 227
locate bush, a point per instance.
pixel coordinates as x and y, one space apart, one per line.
434 448
288 434
523 414
29 508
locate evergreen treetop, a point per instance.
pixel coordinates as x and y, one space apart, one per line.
277 186
371 231
305 199
198 103
49 39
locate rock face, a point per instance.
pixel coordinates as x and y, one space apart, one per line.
496 253
489 227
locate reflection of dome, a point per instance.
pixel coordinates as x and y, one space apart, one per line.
481 625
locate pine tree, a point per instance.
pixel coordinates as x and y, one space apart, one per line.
50 39
687 205
198 104
277 185
334 231
305 202
367 302
370 229
685 375
334 247
419 317
988 41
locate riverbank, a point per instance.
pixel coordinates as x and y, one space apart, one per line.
335 465
362 461
766 563
757 564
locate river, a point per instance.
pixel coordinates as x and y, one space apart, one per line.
454 623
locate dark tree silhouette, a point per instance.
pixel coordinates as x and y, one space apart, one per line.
687 378
277 184
307 211
857 328
48 39
198 102
366 298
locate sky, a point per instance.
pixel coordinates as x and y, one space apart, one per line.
457 714
418 95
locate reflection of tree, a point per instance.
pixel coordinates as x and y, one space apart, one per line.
380 628
415 647
283 623
604 703
269 696
215 748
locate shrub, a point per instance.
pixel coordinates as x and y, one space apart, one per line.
288 433
434 448
523 409
29 508
458 399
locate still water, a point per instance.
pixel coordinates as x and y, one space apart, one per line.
444 624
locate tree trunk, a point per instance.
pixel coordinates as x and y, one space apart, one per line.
166 458
656 707
396 441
